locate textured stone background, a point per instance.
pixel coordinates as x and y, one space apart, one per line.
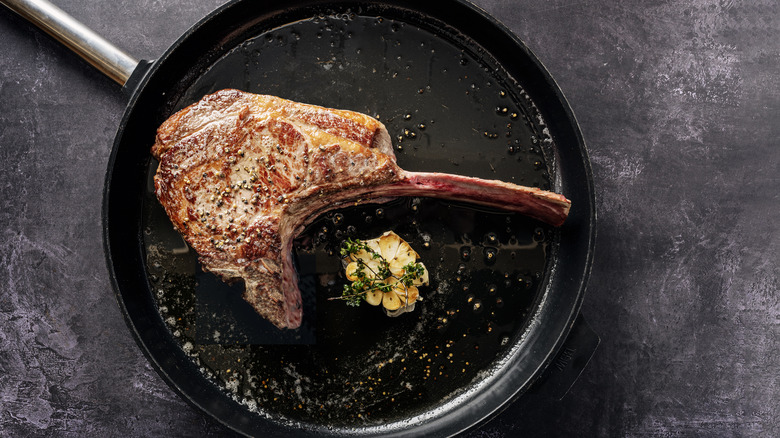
679 103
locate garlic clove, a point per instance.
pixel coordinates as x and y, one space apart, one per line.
362 255
404 255
372 267
388 245
351 271
374 297
391 301
407 295
373 244
396 267
423 279
406 252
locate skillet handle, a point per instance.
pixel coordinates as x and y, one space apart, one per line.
110 60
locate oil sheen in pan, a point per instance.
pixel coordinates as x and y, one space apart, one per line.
448 109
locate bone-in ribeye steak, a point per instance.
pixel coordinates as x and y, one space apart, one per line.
241 174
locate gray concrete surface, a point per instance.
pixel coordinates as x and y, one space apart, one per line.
679 103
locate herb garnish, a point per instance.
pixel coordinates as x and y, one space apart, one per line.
383 270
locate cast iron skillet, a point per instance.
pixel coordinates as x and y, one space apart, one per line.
459 93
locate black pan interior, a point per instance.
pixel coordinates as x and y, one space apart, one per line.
478 105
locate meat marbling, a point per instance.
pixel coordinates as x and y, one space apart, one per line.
240 175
